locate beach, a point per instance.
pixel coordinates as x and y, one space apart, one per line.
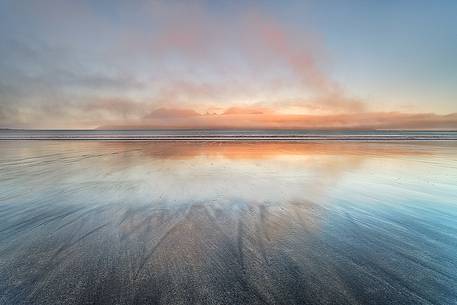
237 222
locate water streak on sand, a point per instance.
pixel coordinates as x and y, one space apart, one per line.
115 222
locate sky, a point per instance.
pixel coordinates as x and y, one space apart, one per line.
228 64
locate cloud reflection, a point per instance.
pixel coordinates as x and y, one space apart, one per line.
233 223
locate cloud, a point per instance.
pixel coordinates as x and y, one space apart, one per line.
173 64
297 53
253 118
300 55
249 110
71 114
227 60
167 113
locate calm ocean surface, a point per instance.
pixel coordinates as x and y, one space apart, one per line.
228 222
228 135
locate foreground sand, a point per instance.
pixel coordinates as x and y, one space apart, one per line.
228 223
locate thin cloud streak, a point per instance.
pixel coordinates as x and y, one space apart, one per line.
262 118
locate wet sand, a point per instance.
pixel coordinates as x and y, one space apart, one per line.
228 223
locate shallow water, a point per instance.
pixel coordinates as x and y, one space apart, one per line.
89 222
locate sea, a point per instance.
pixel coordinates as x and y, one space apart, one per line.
230 135
228 217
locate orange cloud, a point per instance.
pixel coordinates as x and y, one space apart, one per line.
265 118
168 113
247 110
